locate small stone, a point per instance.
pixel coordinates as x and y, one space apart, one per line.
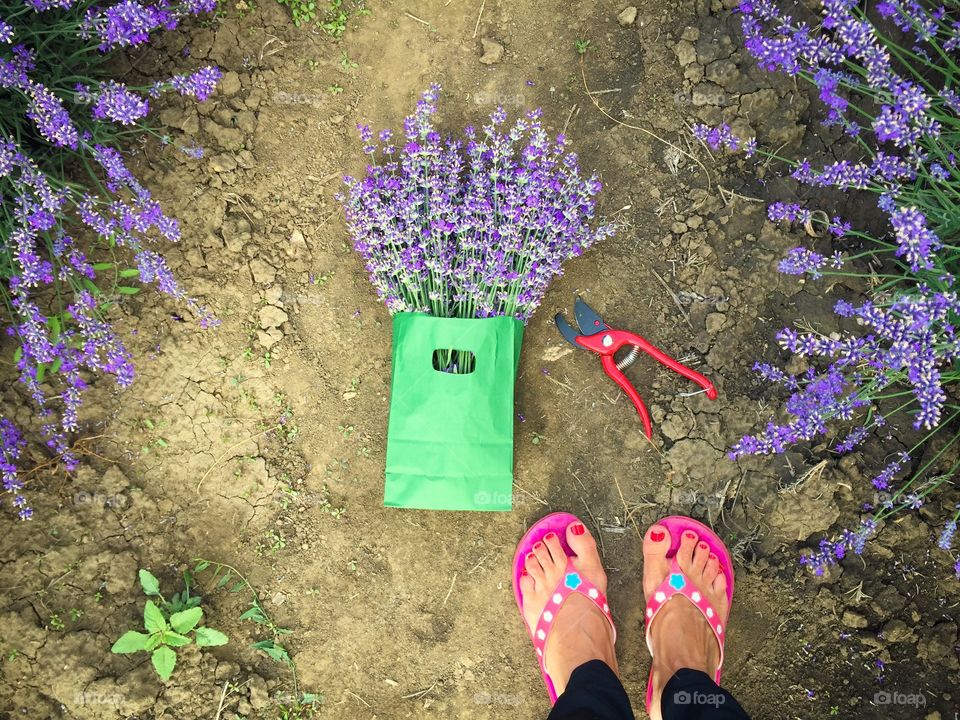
685 52
758 104
224 162
708 94
230 83
349 395
853 619
273 294
723 72
715 322
279 598
263 272
259 697
245 159
272 317
492 51
678 228
336 119
269 338
675 426
182 119
897 631
627 17
297 245
691 33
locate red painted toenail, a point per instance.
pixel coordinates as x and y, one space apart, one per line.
578 529
713 556
538 545
657 536
550 536
703 546
691 535
523 573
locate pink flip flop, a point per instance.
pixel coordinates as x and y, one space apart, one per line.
677 583
572 582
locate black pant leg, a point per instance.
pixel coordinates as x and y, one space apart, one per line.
693 695
593 693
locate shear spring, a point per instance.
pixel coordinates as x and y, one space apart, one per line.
629 359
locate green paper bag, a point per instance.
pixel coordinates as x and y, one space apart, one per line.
450 436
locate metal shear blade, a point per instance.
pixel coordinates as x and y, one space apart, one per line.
588 320
569 334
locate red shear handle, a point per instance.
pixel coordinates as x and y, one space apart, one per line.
677 367
610 366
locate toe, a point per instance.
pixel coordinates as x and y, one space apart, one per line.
557 555
543 555
688 543
720 583
583 545
527 585
711 570
534 568
655 564
701 553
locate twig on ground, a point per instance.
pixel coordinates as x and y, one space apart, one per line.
452 583
419 693
223 697
530 494
558 382
354 695
477 566
569 116
476 28
419 20
628 513
676 300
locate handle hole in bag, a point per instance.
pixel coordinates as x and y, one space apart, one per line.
454 362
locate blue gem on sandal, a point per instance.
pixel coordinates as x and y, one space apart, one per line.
572 581
677 582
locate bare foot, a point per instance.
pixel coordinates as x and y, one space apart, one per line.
580 632
679 635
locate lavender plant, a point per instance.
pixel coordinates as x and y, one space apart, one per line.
469 228
75 223
890 80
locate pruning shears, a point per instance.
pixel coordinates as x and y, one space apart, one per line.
599 337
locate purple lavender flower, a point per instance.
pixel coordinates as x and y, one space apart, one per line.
199 84
853 439
945 542
50 117
718 137
801 261
116 102
6 32
11 446
126 23
916 241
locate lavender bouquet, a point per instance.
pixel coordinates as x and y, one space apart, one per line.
469 228
461 239
70 248
891 81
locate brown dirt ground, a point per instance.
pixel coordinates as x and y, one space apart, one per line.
402 614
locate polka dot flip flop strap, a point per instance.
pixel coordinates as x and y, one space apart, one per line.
677 583
572 582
